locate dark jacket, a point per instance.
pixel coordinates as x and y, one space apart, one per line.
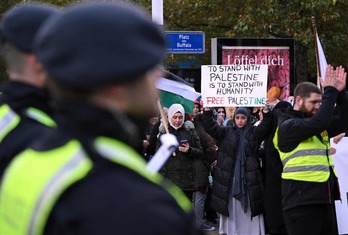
273 167
151 149
203 165
180 168
224 171
20 96
111 199
294 127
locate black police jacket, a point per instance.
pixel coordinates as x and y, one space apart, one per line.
294 127
20 96
111 199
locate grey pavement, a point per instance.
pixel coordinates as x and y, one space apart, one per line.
216 232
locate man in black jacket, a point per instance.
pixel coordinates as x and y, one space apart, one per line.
309 182
24 102
273 167
86 177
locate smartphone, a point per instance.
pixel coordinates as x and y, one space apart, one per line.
183 142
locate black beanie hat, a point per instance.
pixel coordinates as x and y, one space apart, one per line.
94 44
20 24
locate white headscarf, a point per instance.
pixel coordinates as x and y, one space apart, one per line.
173 109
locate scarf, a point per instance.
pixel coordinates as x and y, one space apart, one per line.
173 109
239 184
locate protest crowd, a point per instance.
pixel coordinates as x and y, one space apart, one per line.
77 135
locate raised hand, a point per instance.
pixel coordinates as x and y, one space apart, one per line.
341 78
329 77
335 78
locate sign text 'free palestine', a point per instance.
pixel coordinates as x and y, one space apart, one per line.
234 85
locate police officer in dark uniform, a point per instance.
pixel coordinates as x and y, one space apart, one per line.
85 177
24 109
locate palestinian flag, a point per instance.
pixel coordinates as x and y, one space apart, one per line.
173 89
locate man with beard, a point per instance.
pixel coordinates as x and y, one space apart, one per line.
86 177
309 182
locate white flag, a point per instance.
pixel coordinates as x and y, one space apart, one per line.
322 59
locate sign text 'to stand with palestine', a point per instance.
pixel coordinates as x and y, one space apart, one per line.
234 85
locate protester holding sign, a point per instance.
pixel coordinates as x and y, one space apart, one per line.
237 190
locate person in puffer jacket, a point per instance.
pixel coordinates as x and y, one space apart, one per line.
238 194
180 168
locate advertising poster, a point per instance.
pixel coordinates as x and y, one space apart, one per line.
278 54
278 61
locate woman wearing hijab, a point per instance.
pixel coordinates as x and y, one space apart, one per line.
179 168
238 194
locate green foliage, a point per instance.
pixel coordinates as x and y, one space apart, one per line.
7 4
255 19
264 19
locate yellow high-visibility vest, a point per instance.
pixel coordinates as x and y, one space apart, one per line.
8 120
309 161
40 116
34 181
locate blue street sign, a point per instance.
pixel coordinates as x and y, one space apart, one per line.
185 42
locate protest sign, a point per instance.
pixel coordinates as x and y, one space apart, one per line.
340 160
234 85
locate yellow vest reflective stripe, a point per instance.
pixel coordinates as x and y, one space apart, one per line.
309 161
46 175
303 153
33 183
8 120
40 116
121 153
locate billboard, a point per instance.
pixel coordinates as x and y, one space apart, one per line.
278 54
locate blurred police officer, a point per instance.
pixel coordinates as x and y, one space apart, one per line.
24 110
85 177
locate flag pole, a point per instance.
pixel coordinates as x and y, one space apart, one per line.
316 51
164 118
169 143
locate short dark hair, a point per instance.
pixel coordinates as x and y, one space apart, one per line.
305 89
217 109
60 91
14 58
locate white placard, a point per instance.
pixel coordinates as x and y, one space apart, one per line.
340 160
234 85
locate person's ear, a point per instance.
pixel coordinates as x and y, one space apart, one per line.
298 101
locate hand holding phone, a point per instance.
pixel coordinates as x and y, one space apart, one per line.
183 142
184 146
